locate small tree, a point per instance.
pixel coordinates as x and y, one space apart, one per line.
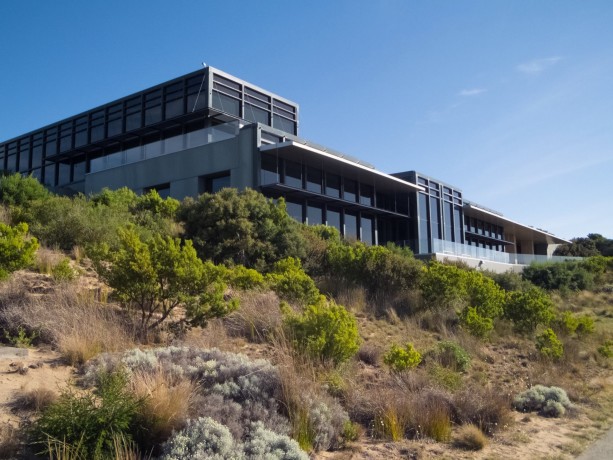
549 345
326 331
16 249
528 309
291 283
157 275
401 358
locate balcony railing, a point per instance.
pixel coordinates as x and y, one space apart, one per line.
464 250
167 146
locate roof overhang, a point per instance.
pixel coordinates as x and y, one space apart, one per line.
520 231
310 155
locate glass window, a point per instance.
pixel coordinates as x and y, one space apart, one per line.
313 180
256 114
314 214
50 142
293 174
294 209
333 185
448 223
196 99
457 224
350 190
114 116
283 124
80 136
333 218
11 163
226 103
434 217
269 171
366 194
78 171
97 126
367 229
174 100
134 113
49 175
63 174
215 183
65 136
24 155
351 226
153 107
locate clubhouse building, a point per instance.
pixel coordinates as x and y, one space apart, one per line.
207 130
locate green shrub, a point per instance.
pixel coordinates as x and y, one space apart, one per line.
244 278
63 271
568 275
291 283
452 356
477 325
547 401
401 358
90 421
445 377
528 309
243 228
549 345
325 330
606 349
16 249
157 275
585 325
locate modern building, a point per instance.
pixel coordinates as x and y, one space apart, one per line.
207 130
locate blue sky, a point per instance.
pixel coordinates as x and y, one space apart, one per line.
510 101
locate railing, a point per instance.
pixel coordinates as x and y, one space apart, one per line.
464 250
167 146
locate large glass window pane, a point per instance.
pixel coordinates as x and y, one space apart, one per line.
49 175
97 126
174 100
457 224
351 226
367 229
63 174
215 183
293 174
366 194
434 217
226 103
294 209
153 107
314 214
422 210
66 136
80 137
11 163
333 185
350 190
24 155
256 114
269 172
114 120
78 171
333 218
283 124
313 180
447 210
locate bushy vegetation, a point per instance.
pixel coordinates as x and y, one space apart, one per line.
548 345
291 283
547 401
451 355
16 249
529 309
325 331
569 275
402 358
157 275
241 227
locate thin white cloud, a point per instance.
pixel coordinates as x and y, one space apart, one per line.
536 66
471 92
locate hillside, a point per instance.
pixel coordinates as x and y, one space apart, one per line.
220 327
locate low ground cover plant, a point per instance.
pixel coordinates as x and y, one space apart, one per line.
547 401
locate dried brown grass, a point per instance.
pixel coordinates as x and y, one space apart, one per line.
10 441
257 319
36 400
47 258
470 437
167 402
67 318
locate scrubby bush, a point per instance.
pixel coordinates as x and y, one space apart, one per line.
401 358
63 271
568 275
157 275
207 439
485 407
547 401
451 355
16 249
19 191
606 349
244 278
202 439
291 283
325 331
470 437
528 309
477 325
244 228
89 422
548 345
385 272
567 323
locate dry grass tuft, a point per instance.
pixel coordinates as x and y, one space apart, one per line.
67 318
369 354
36 400
167 402
257 318
486 408
470 437
10 441
46 259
